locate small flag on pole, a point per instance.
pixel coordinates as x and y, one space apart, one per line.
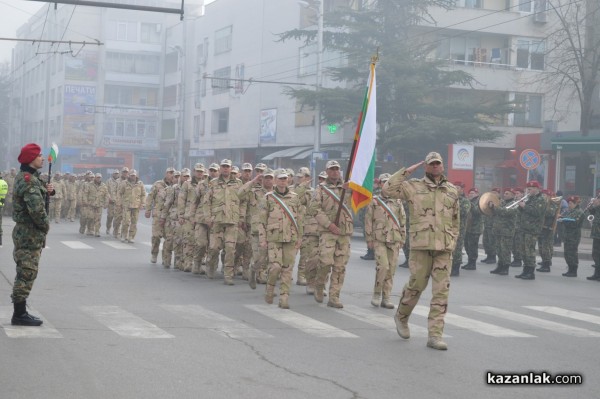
53 153
363 162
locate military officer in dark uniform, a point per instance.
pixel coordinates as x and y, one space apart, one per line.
31 228
572 220
594 210
474 228
503 231
532 213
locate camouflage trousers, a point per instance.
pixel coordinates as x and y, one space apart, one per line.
188 246
56 208
282 256
527 249
504 246
516 247
259 257
309 259
423 264
333 256
28 244
167 253
488 241
386 260
571 247
158 232
406 246
243 250
457 254
596 251
472 246
84 211
117 221
201 236
71 209
222 236
110 215
129 226
546 244
94 220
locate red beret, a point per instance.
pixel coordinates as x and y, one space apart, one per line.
573 198
474 190
534 183
459 184
29 153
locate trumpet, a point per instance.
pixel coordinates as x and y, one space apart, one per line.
589 205
515 203
590 219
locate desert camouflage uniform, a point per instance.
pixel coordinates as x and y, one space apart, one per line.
84 210
434 226
169 219
250 198
60 193
133 196
305 193
121 182
200 227
154 204
8 204
71 200
96 200
185 199
112 185
465 211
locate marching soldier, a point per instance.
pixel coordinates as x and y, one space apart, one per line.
169 219
465 210
244 243
531 220
119 202
435 218
304 190
503 231
385 229
185 199
96 200
111 184
84 207
133 196
594 210
58 197
572 221
154 204
200 224
280 232
546 237
71 198
473 232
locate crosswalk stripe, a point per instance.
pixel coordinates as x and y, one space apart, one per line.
76 245
474 325
566 313
125 323
46 330
381 320
301 322
223 325
118 245
534 321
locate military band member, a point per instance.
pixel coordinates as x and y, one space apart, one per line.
112 184
133 196
503 231
435 220
154 204
594 210
531 213
489 244
546 237
465 210
473 232
385 228
572 220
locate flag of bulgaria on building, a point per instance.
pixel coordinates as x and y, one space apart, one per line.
53 153
363 158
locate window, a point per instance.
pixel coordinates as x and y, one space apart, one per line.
528 110
469 3
141 128
132 63
526 5
150 33
220 81
223 40
203 86
197 93
220 121
122 31
52 94
530 54
460 49
172 62
170 96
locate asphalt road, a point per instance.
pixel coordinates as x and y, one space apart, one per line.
117 326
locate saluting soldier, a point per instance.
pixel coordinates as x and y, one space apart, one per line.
154 204
280 232
465 210
546 237
385 229
474 229
133 196
572 220
594 210
503 231
532 213
112 185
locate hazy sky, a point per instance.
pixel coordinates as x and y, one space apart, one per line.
13 14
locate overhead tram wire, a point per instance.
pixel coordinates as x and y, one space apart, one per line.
43 28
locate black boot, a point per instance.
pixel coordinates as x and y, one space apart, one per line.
516 263
596 275
471 265
571 272
498 269
487 258
455 272
528 273
545 267
490 260
404 265
504 270
370 255
22 318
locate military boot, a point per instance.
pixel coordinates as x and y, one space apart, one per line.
516 263
490 260
153 258
404 265
0 240
503 271
455 272
471 265
269 293
252 279
402 327
283 301
437 343
596 275
571 272
487 259
370 255
386 303
334 302
497 270
22 318
545 268
528 274
228 280
310 290
318 294
376 300
301 281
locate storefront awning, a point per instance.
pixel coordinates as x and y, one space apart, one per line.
576 143
287 153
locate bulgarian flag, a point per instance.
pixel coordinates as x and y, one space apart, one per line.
362 160
53 153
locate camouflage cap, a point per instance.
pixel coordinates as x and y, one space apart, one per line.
133 172
290 172
269 172
206 173
185 172
323 175
281 173
170 169
226 162
384 177
303 171
260 166
116 171
247 166
177 173
332 164
433 157
235 169
199 166
89 173
98 175
125 169
213 166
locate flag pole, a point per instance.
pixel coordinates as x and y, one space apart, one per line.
48 182
374 60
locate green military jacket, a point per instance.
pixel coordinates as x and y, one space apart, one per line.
325 207
475 223
385 221
505 220
433 208
532 215
279 223
572 228
595 210
465 213
551 211
29 202
223 202
156 199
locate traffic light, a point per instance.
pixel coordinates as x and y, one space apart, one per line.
332 128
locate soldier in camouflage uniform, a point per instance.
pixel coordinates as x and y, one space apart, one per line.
31 228
489 242
435 218
3 193
334 241
280 232
185 201
133 197
223 216
57 199
71 198
200 224
385 229
84 208
10 180
546 237
504 228
169 219
111 184
532 212
474 229
119 203
516 248
244 243
572 220
304 190
594 210
465 213
96 200
154 204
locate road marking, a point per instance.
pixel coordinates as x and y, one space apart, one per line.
221 324
76 245
46 330
474 325
534 321
301 322
381 320
566 313
118 245
125 323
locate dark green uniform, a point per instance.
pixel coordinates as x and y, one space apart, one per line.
474 228
595 234
572 221
489 242
465 210
516 247
546 237
532 217
503 231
